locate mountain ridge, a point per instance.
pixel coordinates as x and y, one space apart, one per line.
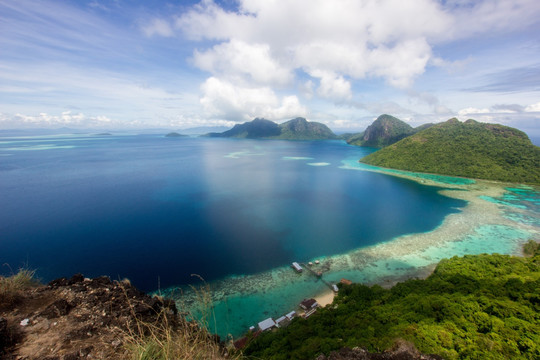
469 149
296 129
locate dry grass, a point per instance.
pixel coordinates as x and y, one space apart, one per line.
11 286
174 337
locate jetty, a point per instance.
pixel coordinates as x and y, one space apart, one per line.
319 274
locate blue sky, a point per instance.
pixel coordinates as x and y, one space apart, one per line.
122 64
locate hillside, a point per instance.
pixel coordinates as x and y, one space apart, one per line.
295 129
470 149
301 129
474 307
384 131
79 318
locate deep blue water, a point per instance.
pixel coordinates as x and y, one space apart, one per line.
156 209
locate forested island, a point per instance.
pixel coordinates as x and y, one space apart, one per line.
295 129
384 131
467 149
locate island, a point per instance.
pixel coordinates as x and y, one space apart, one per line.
175 134
384 131
295 129
466 149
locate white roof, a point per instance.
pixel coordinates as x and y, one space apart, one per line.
291 314
283 318
267 324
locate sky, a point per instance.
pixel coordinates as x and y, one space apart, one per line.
119 64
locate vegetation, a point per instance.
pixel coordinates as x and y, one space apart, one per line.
175 337
174 134
531 248
474 307
470 149
11 286
382 132
295 129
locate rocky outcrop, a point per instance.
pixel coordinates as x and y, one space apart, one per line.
78 318
384 131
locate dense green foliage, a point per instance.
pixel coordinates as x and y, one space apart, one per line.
295 129
531 248
258 128
301 129
470 149
474 307
382 132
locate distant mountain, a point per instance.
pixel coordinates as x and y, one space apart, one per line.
175 134
470 149
384 131
295 129
200 130
301 129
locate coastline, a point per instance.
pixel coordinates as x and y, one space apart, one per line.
482 226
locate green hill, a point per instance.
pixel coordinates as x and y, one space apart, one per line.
295 129
470 149
301 129
256 129
474 307
382 132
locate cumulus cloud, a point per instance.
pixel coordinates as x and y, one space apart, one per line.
333 42
332 86
222 99
237 59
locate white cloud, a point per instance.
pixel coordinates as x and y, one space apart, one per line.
159 27
332 86
224 100
533 107
472 111
66 118
237 58
344 40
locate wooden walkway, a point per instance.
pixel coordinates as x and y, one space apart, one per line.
317 274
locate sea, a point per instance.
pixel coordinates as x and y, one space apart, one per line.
170 214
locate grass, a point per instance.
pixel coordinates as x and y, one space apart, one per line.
174 337
11 286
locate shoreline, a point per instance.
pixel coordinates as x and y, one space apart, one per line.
481 226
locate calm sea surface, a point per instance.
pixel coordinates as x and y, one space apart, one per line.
156 209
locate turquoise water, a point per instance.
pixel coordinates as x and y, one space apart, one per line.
353 163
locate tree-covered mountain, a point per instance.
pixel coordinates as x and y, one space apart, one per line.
301 129
474 307
384 131
295 129
469 149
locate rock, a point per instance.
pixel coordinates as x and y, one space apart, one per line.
59 308
3 334
77 278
